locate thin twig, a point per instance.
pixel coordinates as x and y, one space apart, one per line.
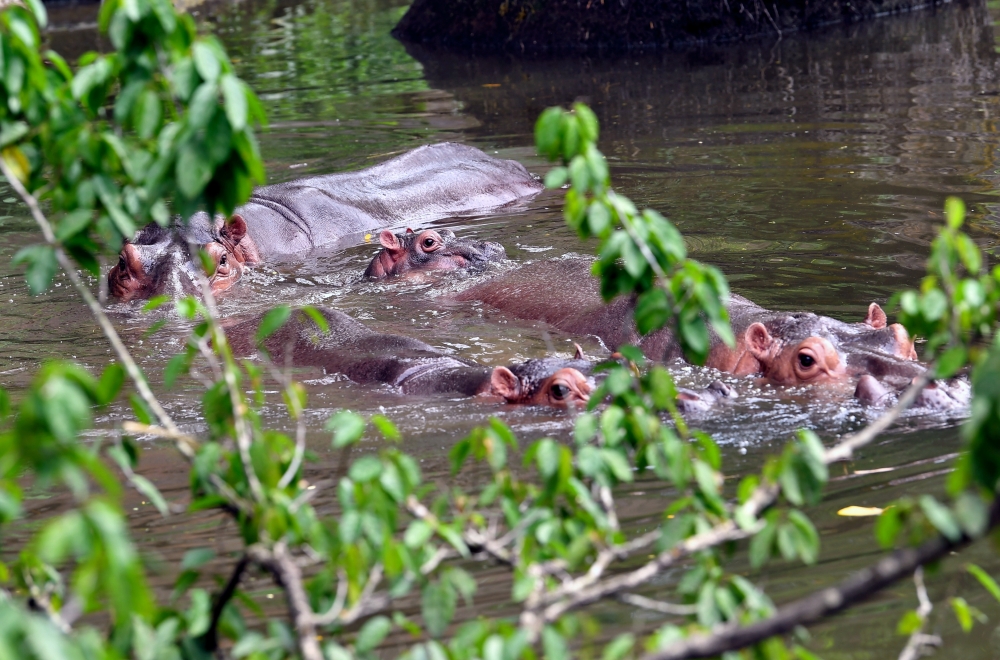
917 644
229 371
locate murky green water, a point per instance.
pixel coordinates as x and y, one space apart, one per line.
811 170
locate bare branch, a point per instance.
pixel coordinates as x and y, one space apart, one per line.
656 605
918 643
288 575
211 636
820 604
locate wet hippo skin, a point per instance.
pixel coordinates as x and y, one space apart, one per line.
419 186
411 366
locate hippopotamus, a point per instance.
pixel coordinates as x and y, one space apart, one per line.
412 366
875 357
426 184
418 252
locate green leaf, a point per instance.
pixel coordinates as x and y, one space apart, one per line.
347 427
386 428
554 645
962 613
984 579
589 126
808 541
417 534
146 487
272 322
317 318
761 544
193 171
196 558
365 469
38 9
941 517
41 260
556 177
909 623
954 210
372 633
619 647
205 61
235 95
148 114
933 305
951 361
888 526
437 605
618 464
972 514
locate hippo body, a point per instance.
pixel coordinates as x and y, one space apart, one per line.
426 184
412 366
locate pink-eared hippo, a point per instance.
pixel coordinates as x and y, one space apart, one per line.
416 252
783 348
425 184
413 367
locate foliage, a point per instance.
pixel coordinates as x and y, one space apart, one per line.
109 146
163 119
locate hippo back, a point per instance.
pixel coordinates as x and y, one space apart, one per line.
422 185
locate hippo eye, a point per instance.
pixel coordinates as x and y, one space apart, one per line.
222 260
559 391
428 242
806 360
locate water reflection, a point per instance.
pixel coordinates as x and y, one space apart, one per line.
812 171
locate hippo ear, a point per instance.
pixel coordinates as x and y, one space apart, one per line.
389 241
504 383
759 341
235 228
579 352
876 317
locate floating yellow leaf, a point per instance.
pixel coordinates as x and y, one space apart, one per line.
368 238
859 511
491 85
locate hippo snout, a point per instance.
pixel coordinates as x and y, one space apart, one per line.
493 252
939 396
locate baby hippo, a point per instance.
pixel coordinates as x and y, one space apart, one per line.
413 367
430 250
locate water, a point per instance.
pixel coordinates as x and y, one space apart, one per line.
811 170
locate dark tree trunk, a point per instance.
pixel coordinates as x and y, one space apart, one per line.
540 26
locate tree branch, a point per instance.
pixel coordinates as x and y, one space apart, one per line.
820 604
210 639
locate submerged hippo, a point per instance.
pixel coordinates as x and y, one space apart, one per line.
417 252
422 185
413 367
783 348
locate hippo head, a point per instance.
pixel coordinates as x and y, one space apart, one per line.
157 260
804 348
544 382
430 250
